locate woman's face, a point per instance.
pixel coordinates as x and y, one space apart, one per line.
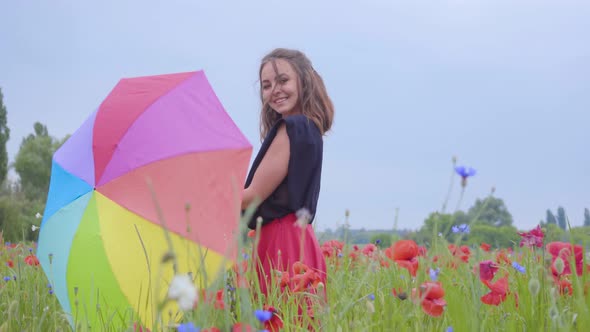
279 87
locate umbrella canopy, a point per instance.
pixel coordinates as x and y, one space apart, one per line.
164 139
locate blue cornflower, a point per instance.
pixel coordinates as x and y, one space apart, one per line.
245 255
465 172
372 297
463 228
51 292
263 315
31 250
518 267
378 241
339 254
434 274
449 329
6 278
188 327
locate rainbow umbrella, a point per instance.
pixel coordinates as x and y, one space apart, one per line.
160 153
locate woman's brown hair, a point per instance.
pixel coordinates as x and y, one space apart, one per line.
313 97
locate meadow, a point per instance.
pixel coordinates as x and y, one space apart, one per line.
535 286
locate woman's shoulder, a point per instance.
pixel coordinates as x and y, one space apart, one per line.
300 127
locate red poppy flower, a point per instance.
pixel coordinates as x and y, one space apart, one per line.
332 248
410 265
563 250
217 299
404 250
565 287
32 260
502 257
422 251
384 262
485 247
369 249
275 323
242 327
404 253
463 252
487 270
498 291
533 238
399 293
211 329
432 294
10 263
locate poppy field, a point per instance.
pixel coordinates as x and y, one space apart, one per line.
535 286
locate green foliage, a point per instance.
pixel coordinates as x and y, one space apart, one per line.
359 236
360 297
4 137
17 216
20 202
580 235
491 211
498 237
385 239
489 220
33 162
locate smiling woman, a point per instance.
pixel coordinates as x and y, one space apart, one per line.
286 174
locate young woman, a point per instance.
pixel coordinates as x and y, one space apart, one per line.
285 177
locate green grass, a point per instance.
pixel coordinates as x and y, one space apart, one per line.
26 303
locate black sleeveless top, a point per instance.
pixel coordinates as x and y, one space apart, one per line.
301 187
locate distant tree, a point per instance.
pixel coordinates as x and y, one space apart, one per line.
561 218
491 211
586 217
551 218
499 237
33 162
4 137
554 233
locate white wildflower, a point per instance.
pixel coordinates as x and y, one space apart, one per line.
303 217
34 228
183 291
38 215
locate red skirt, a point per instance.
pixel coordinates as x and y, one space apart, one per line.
282 243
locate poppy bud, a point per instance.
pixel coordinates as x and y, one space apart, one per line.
370 307
320 286
534 286
559 265
402 295
553 313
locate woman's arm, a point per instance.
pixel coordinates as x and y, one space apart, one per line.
271 171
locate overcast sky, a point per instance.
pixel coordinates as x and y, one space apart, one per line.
502 85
